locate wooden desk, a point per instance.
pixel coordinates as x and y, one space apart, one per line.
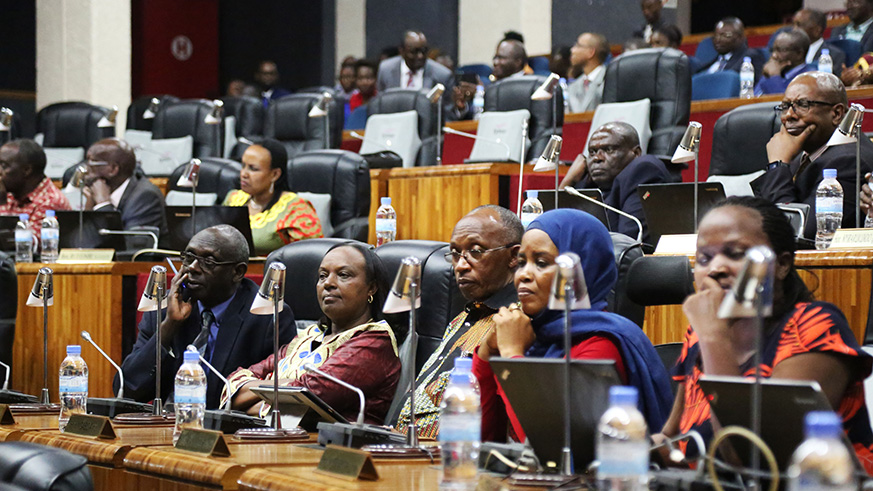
841 277
392 475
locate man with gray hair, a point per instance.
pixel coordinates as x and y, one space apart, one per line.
812 108
207 306
787 61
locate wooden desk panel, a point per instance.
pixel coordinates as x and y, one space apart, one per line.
392 475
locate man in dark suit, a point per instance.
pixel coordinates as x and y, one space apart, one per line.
413 70
860 14
729 40
813 106
652 13
113 185
267 78
208 306
814 23
616 165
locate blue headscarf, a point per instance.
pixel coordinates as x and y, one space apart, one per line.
579 232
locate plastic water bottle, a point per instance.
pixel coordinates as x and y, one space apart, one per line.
189 395
747 79
73 385
822 462
828 209
460 428
49 238
825 62
479 101
23 240
622 447
386 223
531 208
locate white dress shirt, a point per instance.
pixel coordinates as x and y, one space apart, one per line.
417 77
116 195
813 49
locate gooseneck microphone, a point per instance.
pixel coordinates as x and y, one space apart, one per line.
87 337
636 220
309 367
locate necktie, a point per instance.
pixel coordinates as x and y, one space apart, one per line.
206 320
722 62
804 162
411 77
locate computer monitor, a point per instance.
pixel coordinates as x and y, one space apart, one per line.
92 222
567 200
180 225
669 208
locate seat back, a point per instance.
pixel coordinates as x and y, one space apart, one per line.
345 176
662 76
397 132
480 69
705 52
660 280
511 94
358 119
72 124
8 308
626 251
402 100
739 139
718 85
41 468
288 121
136 119
634 113
188 118
217 175
539 65
852 49
249 114
499 136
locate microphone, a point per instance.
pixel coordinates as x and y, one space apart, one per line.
10 396
136 233
309 367
636 220
752 293
112 407
472 136
87 337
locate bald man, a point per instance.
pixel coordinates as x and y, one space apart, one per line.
589 55
112 184
787 61
729 40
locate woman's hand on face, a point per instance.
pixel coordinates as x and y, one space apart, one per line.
701 308
513 331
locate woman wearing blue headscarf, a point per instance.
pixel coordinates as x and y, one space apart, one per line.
535 331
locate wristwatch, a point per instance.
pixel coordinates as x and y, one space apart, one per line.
775 165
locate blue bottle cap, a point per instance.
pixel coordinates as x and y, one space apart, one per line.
23 217
192 357
464 364
830 173
623 395
825 51
50 213
533 194
386 201
747 59
74 350
822 424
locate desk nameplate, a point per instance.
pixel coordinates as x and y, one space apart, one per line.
852 238
207 442
91 426
77 256
347 463
6 417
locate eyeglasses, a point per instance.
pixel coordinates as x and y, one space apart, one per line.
800 106
418 51
206 263
473 255
96 163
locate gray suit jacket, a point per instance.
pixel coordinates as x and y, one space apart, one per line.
142 204
434 73
583 98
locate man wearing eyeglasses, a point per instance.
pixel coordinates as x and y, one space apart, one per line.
729 41
812 108
412 69
207 306
787 61
113 185
483 251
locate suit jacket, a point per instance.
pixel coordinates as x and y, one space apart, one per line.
736 61
777 186
142 204
839 32
583 98
243 340
645 169
837 55
434 73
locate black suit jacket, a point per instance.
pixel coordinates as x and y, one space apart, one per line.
142 204
645 169
839 32
736 61
777 186
243 340
837 55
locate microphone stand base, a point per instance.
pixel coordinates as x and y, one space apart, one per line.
144 419
296 434
36 408
12 397
227 421
113 406
356 436
44 397
403 452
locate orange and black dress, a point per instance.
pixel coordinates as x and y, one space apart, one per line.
809 328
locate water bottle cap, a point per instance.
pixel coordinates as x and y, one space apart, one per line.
533 194
463 364
830 173
74 349
822 424
50 213
825 51
386 201
23 217
192 357
747 59
623 395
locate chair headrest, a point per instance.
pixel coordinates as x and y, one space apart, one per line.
660 280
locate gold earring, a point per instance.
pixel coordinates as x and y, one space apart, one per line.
370 300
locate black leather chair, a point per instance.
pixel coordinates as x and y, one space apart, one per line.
337 118
739 139
288 121
626 251
660 280
8 308
71 124
302 259
14 130
402 100
218 176
663 76
249 115
346 177
135 119
514 93
187 117
40 468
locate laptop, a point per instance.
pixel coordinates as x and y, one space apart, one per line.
567 200
7 232
92 222
669 208
180 224
535 390
784 404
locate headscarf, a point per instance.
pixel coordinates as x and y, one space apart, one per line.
579 232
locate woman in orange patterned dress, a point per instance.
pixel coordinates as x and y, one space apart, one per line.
803 340
277 216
